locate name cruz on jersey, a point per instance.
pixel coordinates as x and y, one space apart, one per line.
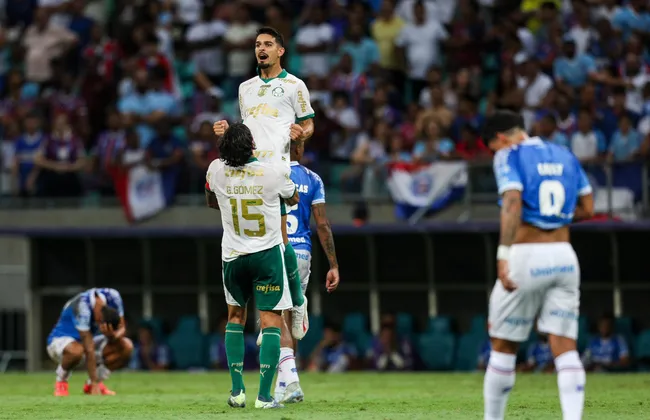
78 315
268 107
312 191
549 177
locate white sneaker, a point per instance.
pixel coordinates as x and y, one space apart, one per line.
237 402
267 404
299 321
292 394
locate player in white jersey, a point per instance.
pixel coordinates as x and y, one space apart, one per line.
543 189
249 193
275 106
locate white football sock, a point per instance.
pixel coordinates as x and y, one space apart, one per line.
498 382
103 372
287 365
62 375
571 381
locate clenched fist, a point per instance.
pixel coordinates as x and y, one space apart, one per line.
295 132
220 127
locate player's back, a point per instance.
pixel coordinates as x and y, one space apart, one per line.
549 177
312 191
250 206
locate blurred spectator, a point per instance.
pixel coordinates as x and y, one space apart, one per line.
17 101
165 153
347 118
208 111
105 154
204 150
587 144
43 42
467 115
573 70
362 49
626 142
344 79
64 99
631 18
471 146
466 37
388 352
581 30
314 42
419 43
26 146
436 110
7 155
385 31
132 154
332 354
539 357
204 39
80 25
147 354
61 159
396 151
547 130
533 85
239 40
636 75
432 146
608 351
188 11
151 58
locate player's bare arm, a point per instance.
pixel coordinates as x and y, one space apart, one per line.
91 363
585 208
303 130
324 229
510 221
211 199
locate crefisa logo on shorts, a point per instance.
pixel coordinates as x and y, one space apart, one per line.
267 288
421 184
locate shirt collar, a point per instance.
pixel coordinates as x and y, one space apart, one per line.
282 75
294 163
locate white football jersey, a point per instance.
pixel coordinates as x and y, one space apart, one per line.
268 107
249 200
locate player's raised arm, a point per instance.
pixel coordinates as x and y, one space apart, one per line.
585 207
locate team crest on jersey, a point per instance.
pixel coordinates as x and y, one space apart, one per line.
278 92
263 90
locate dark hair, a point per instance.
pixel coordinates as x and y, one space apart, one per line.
236 145
267 30
607 316
110 316
500 122
158 74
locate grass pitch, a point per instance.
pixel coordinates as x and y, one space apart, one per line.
343 396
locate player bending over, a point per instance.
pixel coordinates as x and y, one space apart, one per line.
543 188
275 106
249 193
91 327
312 200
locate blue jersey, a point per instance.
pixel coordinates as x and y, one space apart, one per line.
311 190
549 177
78 314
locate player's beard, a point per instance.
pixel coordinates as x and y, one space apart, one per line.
264 66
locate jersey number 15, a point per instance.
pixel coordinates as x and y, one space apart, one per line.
245 204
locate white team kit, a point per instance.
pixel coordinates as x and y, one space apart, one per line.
268 108
250 208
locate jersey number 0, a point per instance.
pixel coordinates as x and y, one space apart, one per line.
245 204
551 197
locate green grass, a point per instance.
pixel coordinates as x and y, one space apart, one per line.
346 396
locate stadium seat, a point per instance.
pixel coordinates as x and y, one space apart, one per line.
437 350
469 346
156 326
189 323
363 343
643 346
187 348
479 325
624 326
313 337
354 324
583 324
439 324
404 325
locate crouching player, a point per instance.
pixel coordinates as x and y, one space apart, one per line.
312 200
91 327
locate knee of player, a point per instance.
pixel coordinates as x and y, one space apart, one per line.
74 351
236 315
127 347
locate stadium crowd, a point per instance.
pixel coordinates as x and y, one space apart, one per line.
91 87
609 345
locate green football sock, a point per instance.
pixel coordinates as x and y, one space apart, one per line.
235 354
269 358
291 264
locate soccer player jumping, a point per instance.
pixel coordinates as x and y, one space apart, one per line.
91 327
276 108
312 200
249 194
543 189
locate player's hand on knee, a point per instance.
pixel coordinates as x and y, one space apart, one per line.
503 270
220 127
295 132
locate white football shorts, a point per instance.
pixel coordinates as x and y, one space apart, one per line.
58 345
548 280
304 267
